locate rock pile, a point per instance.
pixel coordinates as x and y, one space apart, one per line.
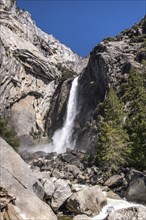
73 184
68 184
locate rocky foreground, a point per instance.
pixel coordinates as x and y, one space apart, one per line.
51 186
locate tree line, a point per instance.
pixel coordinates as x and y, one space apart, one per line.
122 126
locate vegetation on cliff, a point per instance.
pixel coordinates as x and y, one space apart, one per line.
8 133
113 145
122 130
135 97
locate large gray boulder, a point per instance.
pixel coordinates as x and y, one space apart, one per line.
88 201
131 213
61 194
114 181
137 190
74 170
49 187
18 179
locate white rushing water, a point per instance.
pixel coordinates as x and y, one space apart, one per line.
113 205
62 138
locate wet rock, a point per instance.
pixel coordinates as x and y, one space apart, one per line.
110 194
87 201
131 213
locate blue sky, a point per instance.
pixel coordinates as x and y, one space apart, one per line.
82 24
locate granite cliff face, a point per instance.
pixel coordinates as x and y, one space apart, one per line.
109 65
31 68
36 72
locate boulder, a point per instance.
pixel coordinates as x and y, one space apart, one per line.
49 188
110 194
137 190
133 174
68 157
87 201
78 187
42 176
72 169
18 179
114 181
131 213
61 194
57 174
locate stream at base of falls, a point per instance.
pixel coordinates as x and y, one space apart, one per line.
113 205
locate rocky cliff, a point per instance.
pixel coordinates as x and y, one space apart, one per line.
36 72
109 65
33 66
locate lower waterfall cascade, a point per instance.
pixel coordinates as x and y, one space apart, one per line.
62 138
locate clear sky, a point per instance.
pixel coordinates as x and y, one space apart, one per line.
81 24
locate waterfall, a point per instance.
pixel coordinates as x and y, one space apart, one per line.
62 138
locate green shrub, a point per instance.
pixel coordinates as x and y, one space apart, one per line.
138 39
109 39
66 73
8 134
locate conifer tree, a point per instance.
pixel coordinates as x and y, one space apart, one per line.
113 143
135 97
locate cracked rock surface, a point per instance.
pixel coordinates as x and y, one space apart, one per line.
18 179
29 70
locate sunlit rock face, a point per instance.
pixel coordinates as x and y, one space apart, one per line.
30 72
7 4
109 65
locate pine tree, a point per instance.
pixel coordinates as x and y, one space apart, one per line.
113 143
135 97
